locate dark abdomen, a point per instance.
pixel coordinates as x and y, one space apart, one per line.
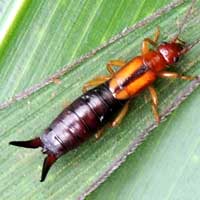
80 120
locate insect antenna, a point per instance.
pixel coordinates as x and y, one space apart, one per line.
181 25
34 143
188 47
48 162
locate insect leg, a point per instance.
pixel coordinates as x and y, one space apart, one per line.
147 41
101 79
154 105
116 121
99 133
121 115
166 74
114 63
95 82
157 35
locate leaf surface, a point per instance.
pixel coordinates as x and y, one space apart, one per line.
47 35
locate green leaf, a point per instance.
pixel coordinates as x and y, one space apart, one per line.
166 166
46 36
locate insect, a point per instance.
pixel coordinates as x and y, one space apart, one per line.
108 100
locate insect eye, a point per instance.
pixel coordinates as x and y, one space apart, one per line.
176 59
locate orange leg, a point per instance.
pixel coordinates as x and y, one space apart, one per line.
116 121
147 41
166 74
99 133
157 34
121 115
101 79
95 82
114 63
154 105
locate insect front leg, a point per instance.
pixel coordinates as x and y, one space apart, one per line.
154 104
147 41
166 74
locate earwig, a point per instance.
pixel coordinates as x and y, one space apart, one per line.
108 100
